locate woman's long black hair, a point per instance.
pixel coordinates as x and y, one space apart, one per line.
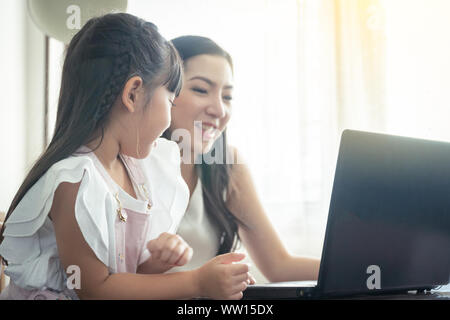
101 57
215 177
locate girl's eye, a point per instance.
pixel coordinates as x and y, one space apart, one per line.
199 90
228 98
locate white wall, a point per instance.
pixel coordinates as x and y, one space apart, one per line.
34 105
12 93
21 92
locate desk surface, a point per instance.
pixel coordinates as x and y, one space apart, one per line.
279 293
434 295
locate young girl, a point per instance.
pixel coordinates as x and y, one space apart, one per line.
224 205
104 199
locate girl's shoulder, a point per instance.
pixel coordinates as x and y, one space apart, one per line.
29 243
72 166
31 212
79 167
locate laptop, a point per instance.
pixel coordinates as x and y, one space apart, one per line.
388 228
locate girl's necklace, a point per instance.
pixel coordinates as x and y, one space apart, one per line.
122 217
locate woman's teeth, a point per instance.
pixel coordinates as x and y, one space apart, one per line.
209 134
206 127
208 131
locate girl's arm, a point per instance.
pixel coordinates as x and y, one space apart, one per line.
217 279
260 239
151 266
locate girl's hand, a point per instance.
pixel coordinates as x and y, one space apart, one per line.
169 250
220 278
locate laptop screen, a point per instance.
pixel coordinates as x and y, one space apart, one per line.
389 220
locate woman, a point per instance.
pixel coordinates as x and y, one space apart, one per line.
224 206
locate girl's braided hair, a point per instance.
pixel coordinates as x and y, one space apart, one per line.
101 57
118 77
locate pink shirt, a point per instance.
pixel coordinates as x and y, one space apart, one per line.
130 234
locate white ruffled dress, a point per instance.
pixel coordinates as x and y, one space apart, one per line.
118 240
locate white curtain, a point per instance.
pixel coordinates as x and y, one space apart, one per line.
304 70
338 83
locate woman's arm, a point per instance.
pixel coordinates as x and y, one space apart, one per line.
219 278
260 239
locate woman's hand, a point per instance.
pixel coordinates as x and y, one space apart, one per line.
251 279
167 251
220 278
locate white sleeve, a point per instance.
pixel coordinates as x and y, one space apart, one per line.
29 243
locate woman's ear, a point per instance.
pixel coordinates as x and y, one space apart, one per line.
131 92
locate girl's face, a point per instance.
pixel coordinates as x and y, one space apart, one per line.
203 107
155 119
140 129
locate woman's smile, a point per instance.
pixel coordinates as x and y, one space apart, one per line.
209 130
